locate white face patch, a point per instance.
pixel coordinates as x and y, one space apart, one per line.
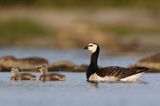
132 78
95 77
92 47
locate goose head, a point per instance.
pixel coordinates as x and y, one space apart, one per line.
92 47
14 71
43 69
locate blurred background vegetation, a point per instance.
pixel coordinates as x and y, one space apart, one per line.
148 4
118 25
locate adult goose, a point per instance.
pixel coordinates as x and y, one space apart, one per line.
16 75
45 76
112 73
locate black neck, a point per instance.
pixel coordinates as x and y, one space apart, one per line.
93 67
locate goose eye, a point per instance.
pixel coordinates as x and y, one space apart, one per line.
91 45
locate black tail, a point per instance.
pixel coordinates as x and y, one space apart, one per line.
142 69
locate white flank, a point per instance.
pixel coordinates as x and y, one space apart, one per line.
132 78
92 48
95 77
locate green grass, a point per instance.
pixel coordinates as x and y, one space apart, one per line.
149 4
129 30
21 29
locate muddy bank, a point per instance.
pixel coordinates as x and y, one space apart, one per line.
30 63
66 66
152 62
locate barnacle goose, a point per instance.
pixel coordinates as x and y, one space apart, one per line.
112 73
16 75
45 76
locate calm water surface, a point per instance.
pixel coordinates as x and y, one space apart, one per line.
76 91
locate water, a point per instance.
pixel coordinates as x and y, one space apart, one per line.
76 91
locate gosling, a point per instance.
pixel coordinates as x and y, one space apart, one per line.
45 76
16 75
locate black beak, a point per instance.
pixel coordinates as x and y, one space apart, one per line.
86 47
